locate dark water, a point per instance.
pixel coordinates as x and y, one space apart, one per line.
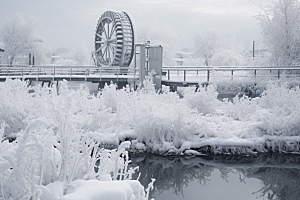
221 177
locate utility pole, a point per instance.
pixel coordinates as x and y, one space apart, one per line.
253 48
29 59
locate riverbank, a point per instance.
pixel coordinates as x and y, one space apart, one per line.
161 123
58 134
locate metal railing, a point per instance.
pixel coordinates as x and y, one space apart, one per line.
67 72
253 71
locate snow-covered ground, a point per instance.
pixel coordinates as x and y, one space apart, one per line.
58 135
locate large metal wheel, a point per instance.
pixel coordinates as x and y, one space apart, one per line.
114 39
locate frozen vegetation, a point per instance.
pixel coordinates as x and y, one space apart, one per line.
61 135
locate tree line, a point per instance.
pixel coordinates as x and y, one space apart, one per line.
279 21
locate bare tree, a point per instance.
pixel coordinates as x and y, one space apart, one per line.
218 49
280 26
164 34
19 38
206 46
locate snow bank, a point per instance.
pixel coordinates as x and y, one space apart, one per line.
95 190
59 136
160 123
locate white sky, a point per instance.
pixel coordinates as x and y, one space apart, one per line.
70 22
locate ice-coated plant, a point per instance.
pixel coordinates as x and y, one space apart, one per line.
241 108
58 140
204 100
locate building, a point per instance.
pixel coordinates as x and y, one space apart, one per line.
180 57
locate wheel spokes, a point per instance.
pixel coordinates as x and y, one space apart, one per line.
103 29
109 57
112 31
101 48
100 42
101 36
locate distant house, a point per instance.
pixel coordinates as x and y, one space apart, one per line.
258 53
181 56
59 54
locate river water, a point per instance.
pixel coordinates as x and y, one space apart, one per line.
266 176
221 177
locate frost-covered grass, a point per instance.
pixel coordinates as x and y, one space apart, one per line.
156 122
59 135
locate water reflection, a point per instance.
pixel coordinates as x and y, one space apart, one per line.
221 177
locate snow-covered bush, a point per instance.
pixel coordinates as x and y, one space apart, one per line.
275 113
241 108
27 163
37 159
66 62
160 124
282 104
15 105
240 86
204 100
227 58
54 139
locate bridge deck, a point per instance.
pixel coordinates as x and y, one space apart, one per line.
172 76
70 73
90 78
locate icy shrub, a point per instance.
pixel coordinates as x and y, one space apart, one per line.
283 110
227 58
148 86
57 137
110 96
14 96
66 62
275 113
204 100
18 107
241 108
36 159
27 163
163 122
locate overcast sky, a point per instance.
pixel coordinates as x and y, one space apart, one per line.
70 22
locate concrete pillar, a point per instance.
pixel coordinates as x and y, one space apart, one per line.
155 64
142 59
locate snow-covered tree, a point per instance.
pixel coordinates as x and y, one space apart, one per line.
227 58
280 27
219 50
19 38
81 55
206 46
165 35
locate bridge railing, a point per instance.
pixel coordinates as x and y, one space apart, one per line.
26 71
183 73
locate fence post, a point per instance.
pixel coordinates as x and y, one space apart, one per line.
22 75
184 75
70 73
85 73
117 74
168 74
38 75
231 74
279 74
100 73
208 75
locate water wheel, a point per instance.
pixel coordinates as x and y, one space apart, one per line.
114 39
